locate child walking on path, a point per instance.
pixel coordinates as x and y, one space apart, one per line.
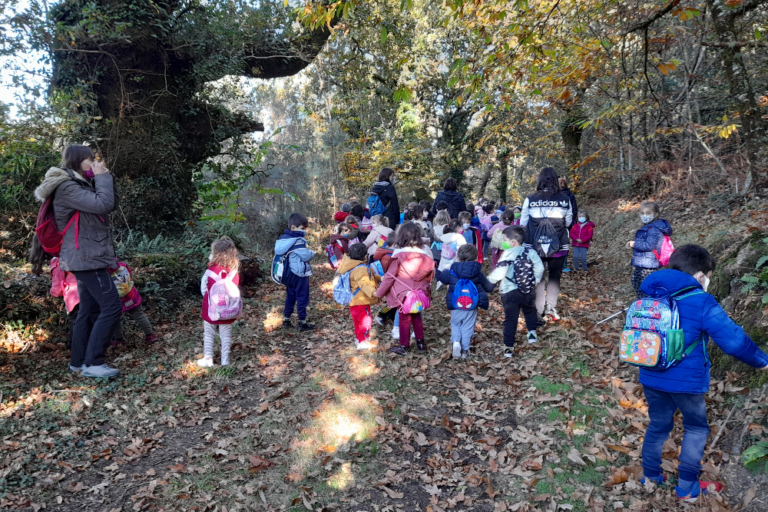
379 235
222 265
647 244
450 243
472 234
581 237
496 235
518 292
685 385
463 319
363 287
129 296
410 270
340 240
296 275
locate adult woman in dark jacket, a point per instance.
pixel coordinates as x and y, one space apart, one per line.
82 186
455 200
385 189
548 203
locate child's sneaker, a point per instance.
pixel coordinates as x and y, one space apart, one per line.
304 326
378 320
421 345
97 371
396 333
76 369
533 337
692 495
659 480
399 350
566 269
456 350
150 339
205 362
508 352
287 324
363 345
464 354
116 342
552 314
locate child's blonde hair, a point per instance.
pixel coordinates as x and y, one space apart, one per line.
442 218
224 254
381 220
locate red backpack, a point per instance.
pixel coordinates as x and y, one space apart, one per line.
47 231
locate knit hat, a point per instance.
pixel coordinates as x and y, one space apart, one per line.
346 207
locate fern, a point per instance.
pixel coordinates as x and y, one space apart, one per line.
761 262
751 280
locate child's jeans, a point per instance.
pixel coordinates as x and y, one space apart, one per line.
514 302
361 318
661 410
297 295
138 316
579 254
209 333
487 247
405 328
463 326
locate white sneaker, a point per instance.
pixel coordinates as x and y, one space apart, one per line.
533 337
205 362
101 370
552 314
378 320
456 350
363 345
396 333
413 335
508 352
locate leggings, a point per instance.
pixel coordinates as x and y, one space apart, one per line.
547 292
138 316
638 276
209 333
405 328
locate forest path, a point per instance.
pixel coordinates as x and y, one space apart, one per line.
305 422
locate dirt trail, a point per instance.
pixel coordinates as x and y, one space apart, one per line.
304 422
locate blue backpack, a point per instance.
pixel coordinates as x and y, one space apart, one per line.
465 295
280 263
375 206
342 291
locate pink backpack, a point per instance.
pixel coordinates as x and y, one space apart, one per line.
224 302
666 251
415 301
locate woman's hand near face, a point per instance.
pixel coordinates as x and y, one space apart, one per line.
98 168
631 244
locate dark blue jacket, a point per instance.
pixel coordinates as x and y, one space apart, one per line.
471 270
700 316
455 200
648 239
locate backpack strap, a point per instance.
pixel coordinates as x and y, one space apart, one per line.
689 292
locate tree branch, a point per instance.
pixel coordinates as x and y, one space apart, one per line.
650 21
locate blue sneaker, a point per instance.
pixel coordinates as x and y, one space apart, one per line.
566 269
660 480
99 371
76 369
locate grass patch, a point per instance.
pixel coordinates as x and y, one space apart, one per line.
547 386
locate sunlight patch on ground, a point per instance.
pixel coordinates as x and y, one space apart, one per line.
362 367
274 319
627 206
343 478
18 338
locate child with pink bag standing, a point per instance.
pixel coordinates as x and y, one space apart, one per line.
406 285
131 300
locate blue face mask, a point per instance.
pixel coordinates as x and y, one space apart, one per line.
346 235
646 219
582 219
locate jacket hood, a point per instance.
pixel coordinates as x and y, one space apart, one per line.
511 254
411 250
53 178
348 264
379 186
286 242
466 269
663 226
382 230
665 282
451 237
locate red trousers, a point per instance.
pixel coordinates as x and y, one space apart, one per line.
361 317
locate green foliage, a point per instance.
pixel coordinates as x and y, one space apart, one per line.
755 458
758 281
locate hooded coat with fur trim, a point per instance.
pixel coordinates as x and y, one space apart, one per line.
87 245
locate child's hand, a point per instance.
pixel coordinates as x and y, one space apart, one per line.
631 244
578 240
764 367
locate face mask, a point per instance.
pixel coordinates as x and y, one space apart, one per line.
506 245
703 280
88 174
517 215
465 226
645 219
346 235
582 219
426 214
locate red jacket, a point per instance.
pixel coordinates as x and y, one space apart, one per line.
340 245
223 272
583 233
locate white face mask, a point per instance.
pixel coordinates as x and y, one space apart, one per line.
465 226
582 219
703 280
646 219
426 214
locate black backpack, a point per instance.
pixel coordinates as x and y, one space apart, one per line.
545 239
524 277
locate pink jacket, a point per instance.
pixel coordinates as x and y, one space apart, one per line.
205 288
583 233
414 269
64 284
